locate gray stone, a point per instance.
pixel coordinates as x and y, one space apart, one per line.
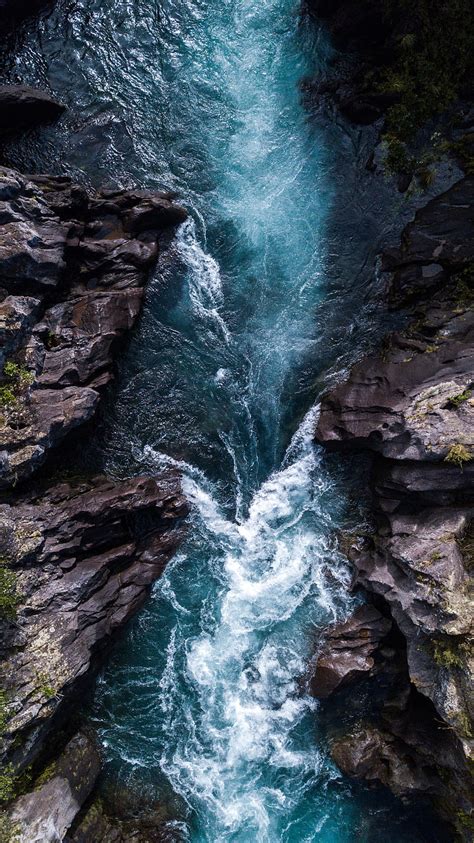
46 814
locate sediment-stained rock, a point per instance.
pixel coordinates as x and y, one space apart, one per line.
84 555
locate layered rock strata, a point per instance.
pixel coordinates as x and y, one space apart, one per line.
77 558
72 271
348 651
412 405
84 556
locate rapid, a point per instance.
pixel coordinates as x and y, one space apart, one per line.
264 295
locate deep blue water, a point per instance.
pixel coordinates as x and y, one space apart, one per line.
265 294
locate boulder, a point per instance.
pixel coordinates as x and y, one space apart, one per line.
22 107
46 814
347 653
377 756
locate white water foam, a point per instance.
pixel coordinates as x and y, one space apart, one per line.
244 672
204 280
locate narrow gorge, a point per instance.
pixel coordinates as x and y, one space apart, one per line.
236 421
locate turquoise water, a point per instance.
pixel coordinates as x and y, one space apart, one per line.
264 293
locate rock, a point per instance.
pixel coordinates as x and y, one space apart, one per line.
126 822
347 653
412 405
84 556
22 107
438 243
46 814
404 404
376 756
73 267
355 25
413 402
33 242
417 566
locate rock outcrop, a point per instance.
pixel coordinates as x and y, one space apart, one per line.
72 270
412 405
77 558
375 756
46 813
348 651
22 107
84 555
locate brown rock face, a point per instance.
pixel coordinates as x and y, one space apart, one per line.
413 406
347 653
84 557
72 271
407 404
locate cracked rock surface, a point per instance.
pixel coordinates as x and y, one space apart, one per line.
84 556
72 271
412 405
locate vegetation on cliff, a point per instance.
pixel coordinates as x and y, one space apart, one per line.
432 62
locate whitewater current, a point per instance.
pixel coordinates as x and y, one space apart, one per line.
264 295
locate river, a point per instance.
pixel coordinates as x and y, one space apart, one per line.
266 293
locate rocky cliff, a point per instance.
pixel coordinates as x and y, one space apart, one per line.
77 557
412 405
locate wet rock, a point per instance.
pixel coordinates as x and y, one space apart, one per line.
130 826
412 405
22 107
46 814
347 653
402 484
413 402
84 556
73 267
374 755
438 243
401 404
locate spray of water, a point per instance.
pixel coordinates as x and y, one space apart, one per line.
243 672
